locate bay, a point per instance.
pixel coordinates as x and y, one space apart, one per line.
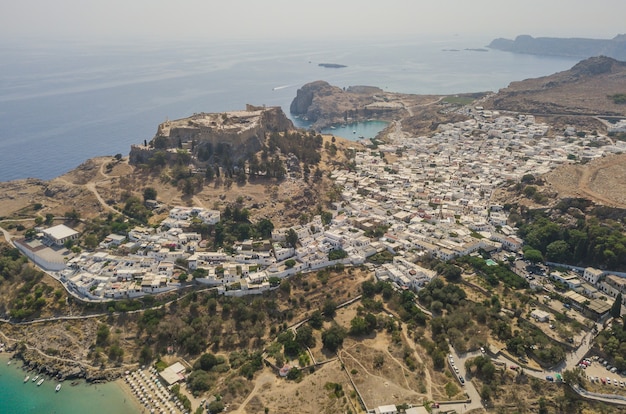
62 103
17 397
357 130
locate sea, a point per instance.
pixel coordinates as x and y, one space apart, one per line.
18 397
64 102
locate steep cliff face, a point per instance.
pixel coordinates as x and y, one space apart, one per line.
241 130
307 100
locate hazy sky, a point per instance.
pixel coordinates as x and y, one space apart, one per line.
295 19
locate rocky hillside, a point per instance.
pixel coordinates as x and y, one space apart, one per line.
202 134
585 89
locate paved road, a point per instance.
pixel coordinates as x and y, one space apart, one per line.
470 390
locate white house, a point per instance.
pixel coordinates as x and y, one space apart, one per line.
592 275
58 235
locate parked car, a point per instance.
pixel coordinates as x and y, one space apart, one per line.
549 378
514 367
462 379
613 370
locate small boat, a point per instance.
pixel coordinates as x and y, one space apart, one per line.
40 382
74 383
9 362
58 387
35 378
26 378
354 132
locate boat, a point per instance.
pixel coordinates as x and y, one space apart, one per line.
74 383
26 378
35 378
58 387
9 362
40 382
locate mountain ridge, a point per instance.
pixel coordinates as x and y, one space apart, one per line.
564 47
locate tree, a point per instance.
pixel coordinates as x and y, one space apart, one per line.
558 251
291 238
333 338
149 193
533 255
90 241
102 335
264 227
358 326
330 308
216 406
304 336
616 309
316 321
293 374
145 356
206 362
290 263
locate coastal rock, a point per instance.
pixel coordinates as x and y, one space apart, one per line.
324 105
304 97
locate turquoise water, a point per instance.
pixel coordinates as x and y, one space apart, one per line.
358 130
17 397
353 132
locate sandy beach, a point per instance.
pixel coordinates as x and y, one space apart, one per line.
145 389
129 397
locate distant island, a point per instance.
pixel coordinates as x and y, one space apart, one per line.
332 65
565 47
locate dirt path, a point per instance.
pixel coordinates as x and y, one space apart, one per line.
601 180
264 378
413 345
588 176
404 370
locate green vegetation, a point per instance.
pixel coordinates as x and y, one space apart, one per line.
333 337
618 98
381 257
531 340
612 341
598 240
494 274
337 254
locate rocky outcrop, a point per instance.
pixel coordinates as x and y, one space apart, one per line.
302 103
65 369
202 134
323 104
